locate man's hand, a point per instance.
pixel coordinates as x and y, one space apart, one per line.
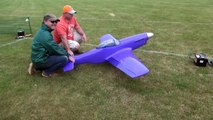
84 38
71 56
71 59
70 53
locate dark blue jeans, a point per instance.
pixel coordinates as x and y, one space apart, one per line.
53 62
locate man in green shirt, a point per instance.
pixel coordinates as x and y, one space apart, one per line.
46 55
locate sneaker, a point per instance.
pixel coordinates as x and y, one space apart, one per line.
31 69
44 74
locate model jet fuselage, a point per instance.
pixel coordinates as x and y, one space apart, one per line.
101 54
120 55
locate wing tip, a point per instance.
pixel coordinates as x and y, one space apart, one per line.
140 74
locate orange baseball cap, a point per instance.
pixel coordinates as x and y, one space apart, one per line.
69 9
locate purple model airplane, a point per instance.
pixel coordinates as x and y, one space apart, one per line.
118 53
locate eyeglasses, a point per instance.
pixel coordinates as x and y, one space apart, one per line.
54 21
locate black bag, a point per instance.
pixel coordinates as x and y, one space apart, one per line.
20 33
200 59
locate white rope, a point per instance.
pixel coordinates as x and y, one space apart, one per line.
150 51
165 53
10 43
93 45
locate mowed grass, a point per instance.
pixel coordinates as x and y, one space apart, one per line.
174 88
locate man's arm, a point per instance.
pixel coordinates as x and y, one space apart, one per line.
66 45
81 32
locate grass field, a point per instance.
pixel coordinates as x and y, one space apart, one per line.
174 89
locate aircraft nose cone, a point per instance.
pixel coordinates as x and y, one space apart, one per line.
149 34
